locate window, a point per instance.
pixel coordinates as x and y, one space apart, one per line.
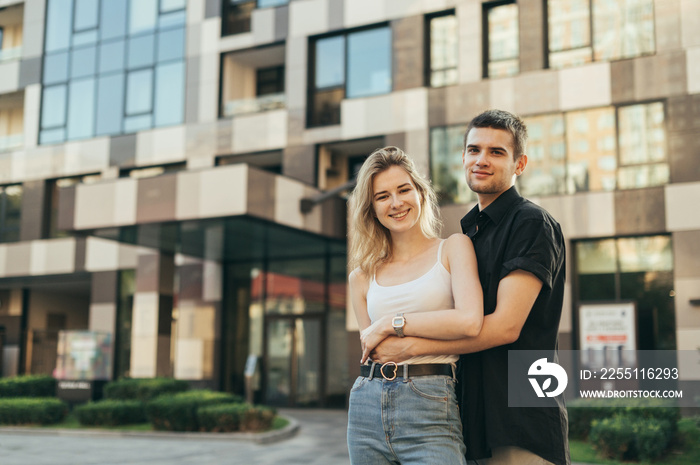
642 142
581 31
443 52
269 81
112 69
10 212
631 268
236 14
151 171
354 64
446 169
546 156
590 149
268 161
502 47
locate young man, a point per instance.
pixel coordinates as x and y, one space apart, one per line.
520 254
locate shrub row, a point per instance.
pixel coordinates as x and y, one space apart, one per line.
111 412
178 412
143 389
235 417
28 386
630 438
32 410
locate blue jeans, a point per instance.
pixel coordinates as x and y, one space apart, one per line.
405 421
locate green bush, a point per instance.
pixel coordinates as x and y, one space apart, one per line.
235 417
630 437
613 437
178 412
28 386
32 410
143 389
111 412
652 437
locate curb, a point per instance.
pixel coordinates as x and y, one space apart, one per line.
268 437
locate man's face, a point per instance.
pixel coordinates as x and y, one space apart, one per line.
489 164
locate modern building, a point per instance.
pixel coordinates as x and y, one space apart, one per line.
172 172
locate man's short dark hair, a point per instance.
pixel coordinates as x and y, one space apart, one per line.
500 119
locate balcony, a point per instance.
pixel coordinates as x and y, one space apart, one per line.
254 105
7 54
11 20
11 121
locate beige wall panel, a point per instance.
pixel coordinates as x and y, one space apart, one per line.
86 155
223 192
33 38
682 202
143 356
667 22
168 145
362 12
102 317
582 215
195 11
660 76
688 339
53 256
693 69
9 76
585 86
32 102
639 211
187 195
263 25
687 316
94 205
295 72
101 255
308 17
537 92
41 162
125 201
469 19
210 35
196 321
397 112
145 314
193 43
260 131
189 354
690 23
235 41
212 281
565 324
287 195
463 102
502 94
686 255
323 134
261 194
208 110
417 145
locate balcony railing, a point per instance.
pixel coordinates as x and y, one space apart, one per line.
255 105
7 54
11 141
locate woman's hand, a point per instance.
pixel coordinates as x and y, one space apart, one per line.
374 334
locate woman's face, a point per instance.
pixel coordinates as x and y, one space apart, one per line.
396 201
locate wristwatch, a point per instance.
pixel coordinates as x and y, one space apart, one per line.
398 322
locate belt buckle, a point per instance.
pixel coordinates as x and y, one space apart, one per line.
391 364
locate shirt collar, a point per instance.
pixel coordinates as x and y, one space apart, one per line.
495 211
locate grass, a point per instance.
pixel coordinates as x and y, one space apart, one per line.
685 451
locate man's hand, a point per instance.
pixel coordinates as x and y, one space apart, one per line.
392 349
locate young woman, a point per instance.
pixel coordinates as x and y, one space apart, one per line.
407 282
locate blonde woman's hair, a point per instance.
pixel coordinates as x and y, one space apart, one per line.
370 241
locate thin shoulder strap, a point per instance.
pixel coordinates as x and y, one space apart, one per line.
442 242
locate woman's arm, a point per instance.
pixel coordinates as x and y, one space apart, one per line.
359 283
465 320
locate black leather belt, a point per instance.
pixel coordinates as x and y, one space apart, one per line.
391 370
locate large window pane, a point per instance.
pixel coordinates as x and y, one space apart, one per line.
143 15
170 94
85 14
369 63
139 94
642 137
112 56
269 3
171 45
590 145
446 170
171 5
110 104
546 156
137 123
113 22
330 62
55 67
141 51
53 111
10 213
623 29
59 16
503 43
83 62
81 109
444 41
569 32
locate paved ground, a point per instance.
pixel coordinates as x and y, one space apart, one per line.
320 440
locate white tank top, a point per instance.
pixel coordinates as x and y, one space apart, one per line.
430 292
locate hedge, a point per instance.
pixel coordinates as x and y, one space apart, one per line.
631 438
28 386
143 389
235 417
178 412
32 410
111 412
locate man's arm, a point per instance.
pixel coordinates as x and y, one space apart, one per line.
517 293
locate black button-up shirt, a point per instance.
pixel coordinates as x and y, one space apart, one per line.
510 234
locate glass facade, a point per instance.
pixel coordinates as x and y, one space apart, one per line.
502 41
10 212
446 169
443 51
638 269
581 31
112 67
355 64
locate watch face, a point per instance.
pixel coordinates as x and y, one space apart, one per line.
397 322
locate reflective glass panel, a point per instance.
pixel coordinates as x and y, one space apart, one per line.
546 160
569 32
649 253
269 3
139 94
137 123
642 137
143 15
85 16
81 108
170 5
171 44
59 16
591 166
83 62
446 170
141 51
55 67
84 38
369 63
170 94
503 43
168 20
623 29
112 56
49 136
110 104
113 23
596 257
444 42
53 111
330 62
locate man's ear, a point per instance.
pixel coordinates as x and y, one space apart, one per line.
521 164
